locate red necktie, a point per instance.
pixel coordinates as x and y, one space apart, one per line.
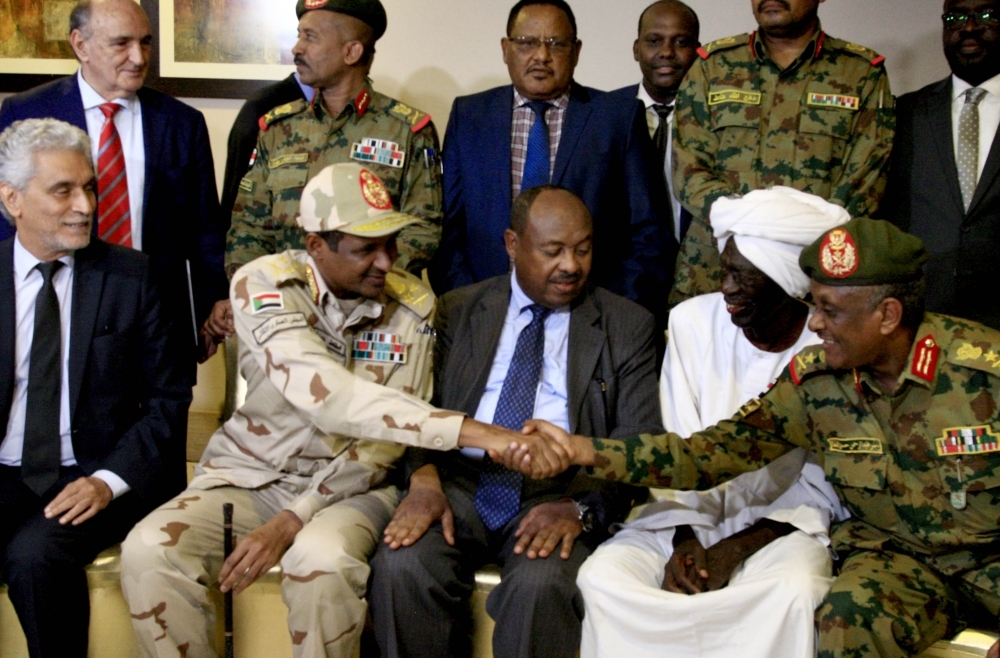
114 217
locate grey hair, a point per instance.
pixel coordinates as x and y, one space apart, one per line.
79 18
22 139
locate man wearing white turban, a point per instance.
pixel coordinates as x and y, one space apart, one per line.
754 551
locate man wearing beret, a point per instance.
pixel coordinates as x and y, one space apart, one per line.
346 120
336 348
902 410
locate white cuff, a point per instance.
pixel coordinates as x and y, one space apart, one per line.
117 485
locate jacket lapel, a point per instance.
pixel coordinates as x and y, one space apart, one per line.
72 103
990 171
577 115
88 285
8 327
487 324
939 117
494 157
585 342
153 131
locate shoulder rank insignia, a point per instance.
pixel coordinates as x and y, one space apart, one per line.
981 355
967 440
410 291
247 185
417 119
867 53
379 151
925 358
809 360
750 407
278 113
721 44
378 346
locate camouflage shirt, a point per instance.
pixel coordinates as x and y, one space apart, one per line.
298 139
919 469
335 390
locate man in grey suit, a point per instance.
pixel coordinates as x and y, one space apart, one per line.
945 161
534 343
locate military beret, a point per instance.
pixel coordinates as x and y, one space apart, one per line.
370 12
864 252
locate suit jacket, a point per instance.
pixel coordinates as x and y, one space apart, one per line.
605 157
128 394
923 197
612 380
181 220
243 136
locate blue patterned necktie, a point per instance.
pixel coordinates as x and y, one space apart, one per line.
498 494
537 159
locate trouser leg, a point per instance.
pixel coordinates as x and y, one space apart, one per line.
172 556
325 575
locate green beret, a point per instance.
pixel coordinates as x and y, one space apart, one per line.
370 12
864 252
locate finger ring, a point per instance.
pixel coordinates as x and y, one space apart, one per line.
246 571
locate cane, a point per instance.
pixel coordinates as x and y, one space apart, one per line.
227 530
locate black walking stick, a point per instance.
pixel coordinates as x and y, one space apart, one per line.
227 530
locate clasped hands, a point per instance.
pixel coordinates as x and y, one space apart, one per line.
541 451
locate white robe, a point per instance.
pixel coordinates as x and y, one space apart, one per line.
766 610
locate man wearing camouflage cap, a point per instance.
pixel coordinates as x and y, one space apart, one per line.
901 410
786 104
345 121
336 350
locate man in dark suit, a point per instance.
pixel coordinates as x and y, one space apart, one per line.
92 397
945 160
535 343
594 145
166 205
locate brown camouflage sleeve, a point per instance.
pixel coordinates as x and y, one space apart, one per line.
863 176
421 196
250 235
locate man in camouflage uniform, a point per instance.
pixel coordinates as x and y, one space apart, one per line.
902 409
335 347
785 105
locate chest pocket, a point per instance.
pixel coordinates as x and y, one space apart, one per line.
856 471
737 127
286 183
822 142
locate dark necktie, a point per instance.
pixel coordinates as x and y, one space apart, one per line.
41 454
537 159
661 138
498 494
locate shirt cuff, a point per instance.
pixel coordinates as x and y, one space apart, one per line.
441 429
116 484
306 506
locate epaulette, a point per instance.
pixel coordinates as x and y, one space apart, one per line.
807 362
416 119
978 348
723 44
281 112
860 51
410 291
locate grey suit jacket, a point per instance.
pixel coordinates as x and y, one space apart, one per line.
612 380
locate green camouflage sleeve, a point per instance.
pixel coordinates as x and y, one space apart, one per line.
863 178
421 196
759 433
250 234
696 146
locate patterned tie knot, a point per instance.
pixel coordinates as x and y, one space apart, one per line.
539 313
48 270
539 108
664 111
109 109
974 95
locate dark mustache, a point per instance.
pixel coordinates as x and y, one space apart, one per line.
784 4
299 60
565 278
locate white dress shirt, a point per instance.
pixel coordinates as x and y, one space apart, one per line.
653 122
27 285
128 122
989 115
552 396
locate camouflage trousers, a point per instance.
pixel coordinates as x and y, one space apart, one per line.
890 605
170 555
698 270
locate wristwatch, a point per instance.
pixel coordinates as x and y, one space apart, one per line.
586 515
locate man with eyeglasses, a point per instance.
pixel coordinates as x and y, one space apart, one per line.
547 129
943 174
784 105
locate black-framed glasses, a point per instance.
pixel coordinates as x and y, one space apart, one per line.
956 19
528 45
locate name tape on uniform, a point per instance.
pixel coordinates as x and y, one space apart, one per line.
856 446
379 151
967 440
291 158
734 96
834 100
277 324
379 346
267 301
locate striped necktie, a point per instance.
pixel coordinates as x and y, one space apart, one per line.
537 160
114 216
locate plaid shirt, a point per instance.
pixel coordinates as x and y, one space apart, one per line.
520 127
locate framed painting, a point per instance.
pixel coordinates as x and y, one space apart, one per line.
34 42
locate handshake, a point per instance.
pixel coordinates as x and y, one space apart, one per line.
541 450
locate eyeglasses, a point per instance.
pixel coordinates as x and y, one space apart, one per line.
981 17
528 45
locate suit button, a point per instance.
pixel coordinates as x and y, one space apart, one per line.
965 229
75 432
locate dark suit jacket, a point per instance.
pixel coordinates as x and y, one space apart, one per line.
243 136
923 197
181 218
605 157
611 371
127 389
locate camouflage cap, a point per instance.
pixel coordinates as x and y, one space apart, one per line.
864 252
348 198
369 12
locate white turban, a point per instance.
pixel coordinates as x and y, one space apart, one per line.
772 227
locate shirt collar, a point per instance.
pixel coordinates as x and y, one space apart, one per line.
562 102
648 100
92 99
25 262
812 50
356 108
307 91
925 356
960 86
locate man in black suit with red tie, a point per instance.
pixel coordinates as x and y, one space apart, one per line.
93 392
